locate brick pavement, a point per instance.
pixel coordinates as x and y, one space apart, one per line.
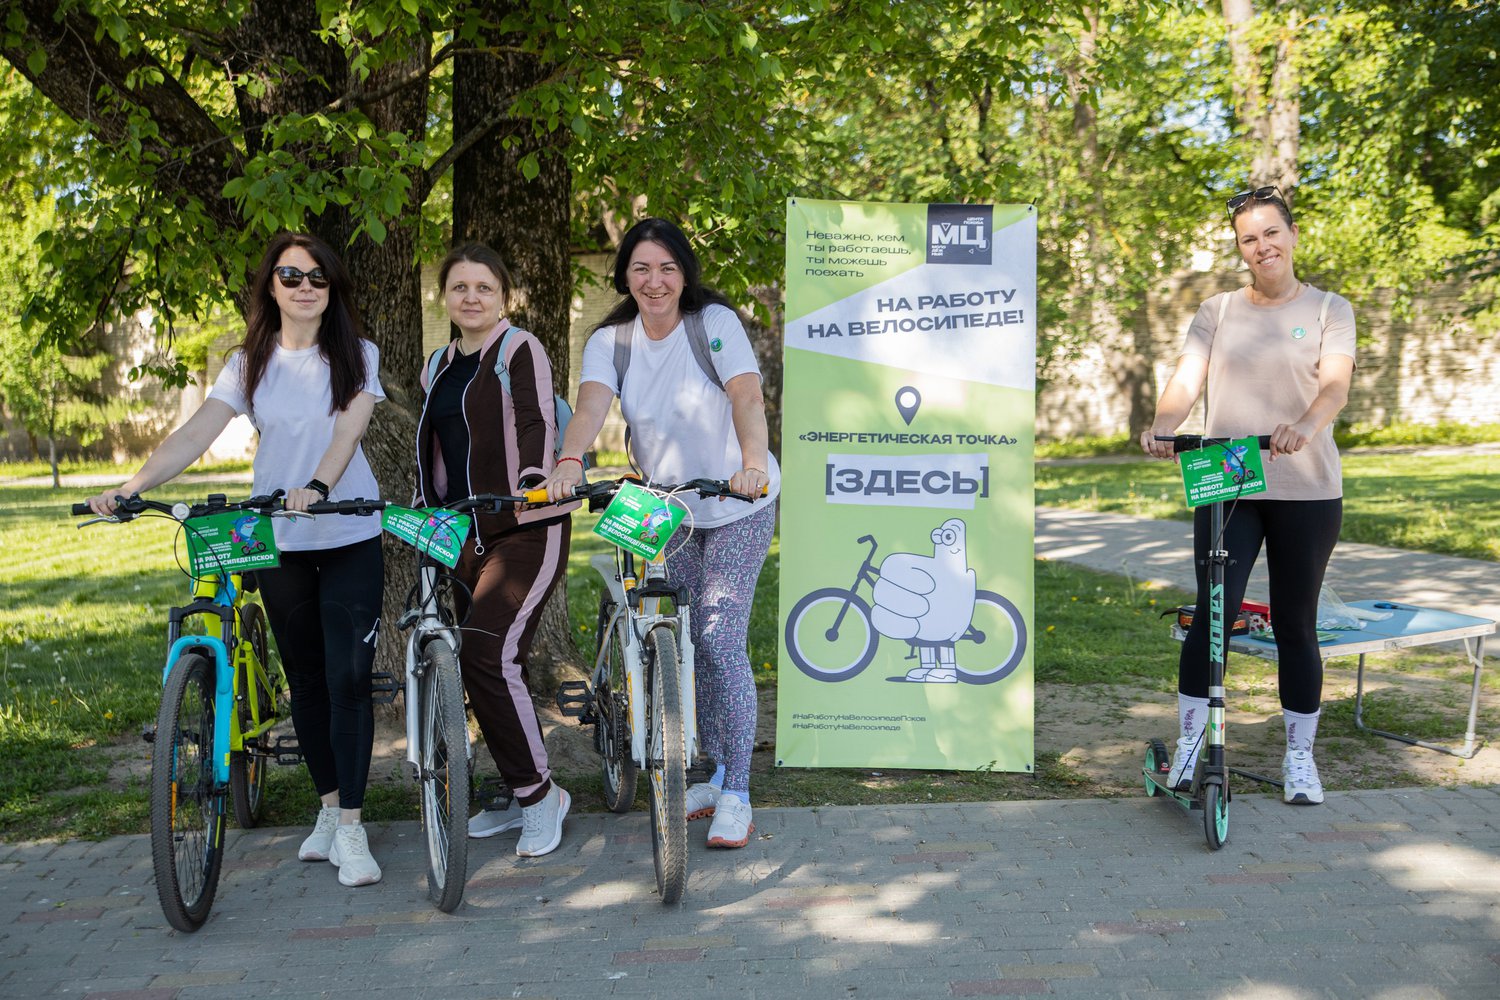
1392 894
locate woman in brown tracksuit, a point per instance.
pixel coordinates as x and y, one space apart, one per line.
473 437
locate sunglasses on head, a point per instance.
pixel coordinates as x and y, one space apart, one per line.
291 277
1268 193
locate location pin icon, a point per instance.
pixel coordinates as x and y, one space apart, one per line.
908 399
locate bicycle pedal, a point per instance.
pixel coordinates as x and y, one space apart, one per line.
575 699
493 793
384 688
285 752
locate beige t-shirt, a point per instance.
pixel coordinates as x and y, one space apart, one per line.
1263 371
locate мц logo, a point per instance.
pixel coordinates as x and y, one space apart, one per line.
959 234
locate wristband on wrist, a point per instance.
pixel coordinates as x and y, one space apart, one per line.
569 458
314 484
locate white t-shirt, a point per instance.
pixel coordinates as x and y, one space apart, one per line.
681 424
293 405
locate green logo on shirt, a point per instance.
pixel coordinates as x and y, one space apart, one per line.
1299 333
716 344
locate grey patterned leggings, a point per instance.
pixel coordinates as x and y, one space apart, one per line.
719 566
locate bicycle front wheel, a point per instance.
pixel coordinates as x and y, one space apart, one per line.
668 763
444 753
256 702
829 636
612 714
187 806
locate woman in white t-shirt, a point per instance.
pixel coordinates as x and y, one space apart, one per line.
686 423
1277 357
308 379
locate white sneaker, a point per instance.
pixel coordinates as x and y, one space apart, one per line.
542 824
731 826
351 855
933 675
1184 763
701 799
1300 783
320 841
489 822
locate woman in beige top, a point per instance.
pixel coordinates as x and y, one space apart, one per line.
1277 357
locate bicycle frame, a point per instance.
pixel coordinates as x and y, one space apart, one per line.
220 597
638 610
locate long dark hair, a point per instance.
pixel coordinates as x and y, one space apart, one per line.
695 294
474 253
340 332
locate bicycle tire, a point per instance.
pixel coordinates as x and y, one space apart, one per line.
612 715
444 754
187 805
1010 657
248 769
805 640
668 763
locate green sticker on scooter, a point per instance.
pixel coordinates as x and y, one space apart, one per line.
1222 472
639 521
439 533
232 542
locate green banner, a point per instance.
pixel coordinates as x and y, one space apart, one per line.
908 416
231 542
639 521
438 532
1222 472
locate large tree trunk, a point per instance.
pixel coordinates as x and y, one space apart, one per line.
1270 122
527 222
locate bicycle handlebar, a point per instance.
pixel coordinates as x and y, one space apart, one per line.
1192 442
131 507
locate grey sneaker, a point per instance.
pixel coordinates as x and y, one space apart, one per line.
489 822
1299 776
351 855
542 824
731 826
701 799
320 841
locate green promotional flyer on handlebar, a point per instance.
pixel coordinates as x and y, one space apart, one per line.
639 521
909 402
1222 472
235 541
437 532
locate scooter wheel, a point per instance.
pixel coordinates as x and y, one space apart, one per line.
1215 816
1149 769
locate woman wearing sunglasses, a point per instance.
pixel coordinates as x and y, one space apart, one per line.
489 426
308 379
1277 355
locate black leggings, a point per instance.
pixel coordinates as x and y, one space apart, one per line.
324 609
1299 536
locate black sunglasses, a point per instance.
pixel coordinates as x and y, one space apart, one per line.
1268 193
291 277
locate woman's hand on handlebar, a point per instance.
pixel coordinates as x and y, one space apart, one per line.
104 503
298 500
1155 448
566 476
1288 439
749 482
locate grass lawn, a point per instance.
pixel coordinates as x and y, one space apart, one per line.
82 625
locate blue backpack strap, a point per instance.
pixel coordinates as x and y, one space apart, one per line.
431 371
698 341
501 368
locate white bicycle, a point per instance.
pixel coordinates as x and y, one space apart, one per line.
640 698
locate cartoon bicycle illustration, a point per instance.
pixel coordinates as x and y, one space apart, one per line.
242 533
1234 466
929 602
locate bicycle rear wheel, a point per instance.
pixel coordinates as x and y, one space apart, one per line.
187 807
247 769
612 715
668 763
444 752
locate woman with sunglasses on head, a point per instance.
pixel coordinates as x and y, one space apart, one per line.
489 427
308 379
691 397
1276 355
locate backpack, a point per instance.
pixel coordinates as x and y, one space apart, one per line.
561 411
697 337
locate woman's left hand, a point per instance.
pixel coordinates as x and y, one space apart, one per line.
299 498
749 482
1288 439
